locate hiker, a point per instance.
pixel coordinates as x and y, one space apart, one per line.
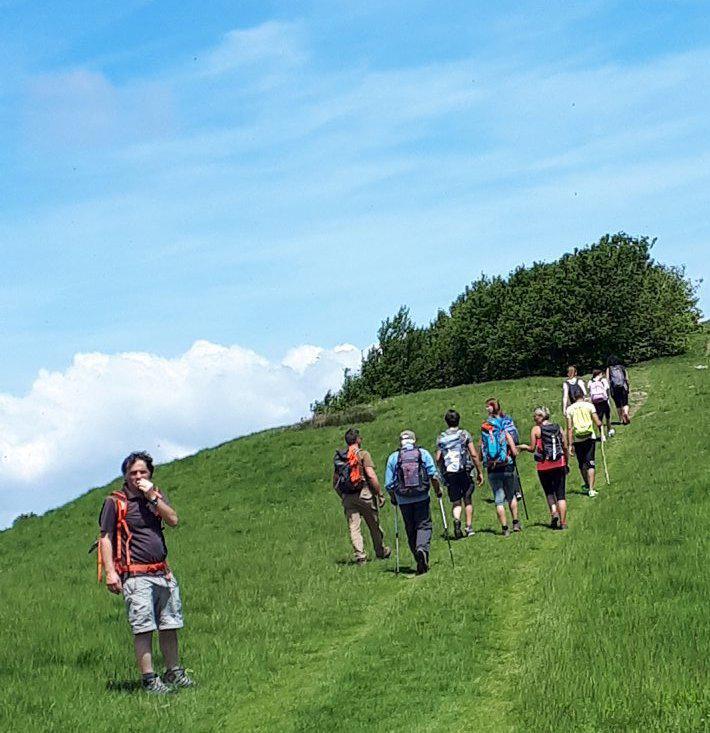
410 472
499 453
133 553
549 449
581 419
356 483
572 380
618 380
455 456
598 387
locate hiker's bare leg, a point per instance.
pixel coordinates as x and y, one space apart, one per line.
514 509
143 644
501 515
562 509
169 647
551 504
591 473
469 513
456 511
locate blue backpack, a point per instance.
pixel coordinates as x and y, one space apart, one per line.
509 424
495 445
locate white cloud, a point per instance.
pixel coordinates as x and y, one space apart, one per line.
71 431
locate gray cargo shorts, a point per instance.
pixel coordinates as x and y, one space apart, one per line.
152 602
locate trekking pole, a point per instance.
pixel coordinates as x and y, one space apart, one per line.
522 493
396 540
606 470
446 530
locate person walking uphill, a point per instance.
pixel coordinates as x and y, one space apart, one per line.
569 386
132 552
499 452
549 449
355 480
581 420
618 380
456 455
410 473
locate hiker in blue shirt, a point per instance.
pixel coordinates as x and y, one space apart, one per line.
410 472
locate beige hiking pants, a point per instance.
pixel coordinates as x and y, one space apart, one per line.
358 507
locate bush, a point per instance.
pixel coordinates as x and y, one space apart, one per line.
607 298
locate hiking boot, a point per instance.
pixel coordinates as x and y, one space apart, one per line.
592 492
469 531
153 685
555 523
458 534
516 526
176 677
387 552
506 531
422 562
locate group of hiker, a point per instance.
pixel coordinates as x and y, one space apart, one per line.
132 552
458 463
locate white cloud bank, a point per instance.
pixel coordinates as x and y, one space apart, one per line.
71 431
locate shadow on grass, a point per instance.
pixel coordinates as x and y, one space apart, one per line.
124 686
406 570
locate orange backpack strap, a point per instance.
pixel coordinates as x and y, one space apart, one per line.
120 501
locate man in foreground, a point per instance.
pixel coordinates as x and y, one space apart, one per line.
456 455
133 554
410 473
356 483
581 419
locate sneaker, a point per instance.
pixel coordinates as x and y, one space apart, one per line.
612 432
562 526
387 552
592 492
506 532
469 531
517 526
422 562
177 677
458 534
153 685
360 560
555 523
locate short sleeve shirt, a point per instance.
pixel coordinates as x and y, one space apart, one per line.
147 543
367 462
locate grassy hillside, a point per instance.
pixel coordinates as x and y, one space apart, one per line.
604 627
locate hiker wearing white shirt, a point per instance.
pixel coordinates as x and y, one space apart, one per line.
581 438
598 387
571 381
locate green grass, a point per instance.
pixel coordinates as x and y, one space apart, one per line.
602 628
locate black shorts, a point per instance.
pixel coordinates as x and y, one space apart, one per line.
459 485
553 482
603 409
620 395
585 451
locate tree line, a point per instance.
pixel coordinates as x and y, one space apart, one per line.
610 297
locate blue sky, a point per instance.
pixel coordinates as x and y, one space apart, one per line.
272 175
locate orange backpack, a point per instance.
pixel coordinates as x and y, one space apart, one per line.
124 566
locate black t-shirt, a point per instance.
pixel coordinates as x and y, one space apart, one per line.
147 541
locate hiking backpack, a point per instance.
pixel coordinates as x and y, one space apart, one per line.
617 376
574 391
495 445
597 390
123 565
509 426
582 422
349 470
454 451
551 440
412 478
